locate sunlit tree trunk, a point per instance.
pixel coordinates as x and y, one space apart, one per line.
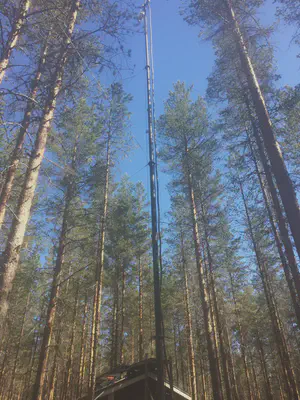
262 359
285 265
121 355
175 350
141 329
212 314
189 328
55 289
13 36
283 231
11 254
53 380
217 392
18 348
17 152
242 340
284 183
95 334
182 369
219 328
288 372
70 354
82 350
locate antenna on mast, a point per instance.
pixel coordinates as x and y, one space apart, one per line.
159 337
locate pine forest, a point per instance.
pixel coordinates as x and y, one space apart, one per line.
149 231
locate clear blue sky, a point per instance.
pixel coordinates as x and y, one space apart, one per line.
179 54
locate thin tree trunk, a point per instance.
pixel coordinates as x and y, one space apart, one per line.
53 381
284 234
18 348
117 315
13 36
234 387
262 358
217 392
223 354
257 391
132 346
113 330
242 339
175 351
95 334
189 328
11 255
288 373
121 355
17 152
141 331
32 357
82 350
284 183
182 370
55 289
216 341
285 265
71 349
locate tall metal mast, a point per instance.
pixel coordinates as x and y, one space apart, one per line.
159 339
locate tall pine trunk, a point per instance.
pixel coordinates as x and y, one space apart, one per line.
17 152
189 328
217 392
141 329
286 267
82 354
13 36
121 355
95 334
70 355
284 183
288 373
283 231
219 328
55 288
241 339
18 348
262 359
11 254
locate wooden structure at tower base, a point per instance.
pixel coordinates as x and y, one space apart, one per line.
135 382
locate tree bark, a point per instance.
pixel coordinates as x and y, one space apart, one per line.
13 36
55 289
284 183
217 392
288 373
175 351
141 329
69 363
121 355
17 152
11 255
219 328
82 350
18 348
189 328
182 369
286 267
284 234
241 338
262 358
95 334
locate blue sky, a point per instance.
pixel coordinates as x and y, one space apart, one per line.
179 54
